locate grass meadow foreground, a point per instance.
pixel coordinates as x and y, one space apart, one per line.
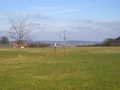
84 68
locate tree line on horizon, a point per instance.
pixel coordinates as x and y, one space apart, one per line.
110 42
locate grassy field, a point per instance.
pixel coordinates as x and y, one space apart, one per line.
84 68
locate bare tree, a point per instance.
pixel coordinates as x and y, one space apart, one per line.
19 30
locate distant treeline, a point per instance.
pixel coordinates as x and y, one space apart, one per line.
110 42
4 41
33 45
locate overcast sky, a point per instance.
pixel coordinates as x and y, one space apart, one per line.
86 20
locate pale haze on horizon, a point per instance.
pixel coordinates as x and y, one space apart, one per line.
86 20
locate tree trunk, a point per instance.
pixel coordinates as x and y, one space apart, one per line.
18 48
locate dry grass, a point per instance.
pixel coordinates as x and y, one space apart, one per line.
85 68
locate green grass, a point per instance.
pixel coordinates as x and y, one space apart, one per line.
85 68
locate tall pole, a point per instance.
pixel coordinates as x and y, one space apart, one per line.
63 36
37 42
55 47
64 41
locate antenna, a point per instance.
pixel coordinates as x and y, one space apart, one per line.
63 36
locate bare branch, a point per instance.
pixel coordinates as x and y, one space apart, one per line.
19 29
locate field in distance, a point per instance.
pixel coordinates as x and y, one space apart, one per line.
82 68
